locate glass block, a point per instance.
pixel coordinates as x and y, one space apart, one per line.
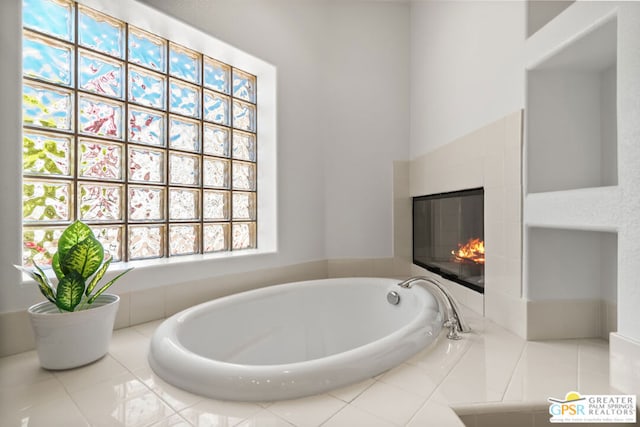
216 75
244 116
215 172
184 63
99 117
215 237
183 204
53 17
146 241
147 88
100 160
101 75
111 239
244 146
146 126
100 32
146 165
147 49
216 140
46 107
184 169
215 205
184 239
100 202
244 176
244 206
46 200
47 59
184 134
146 203
46 154
39 245
185 99
216 108
243 235
244 86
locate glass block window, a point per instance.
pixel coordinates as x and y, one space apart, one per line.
151 143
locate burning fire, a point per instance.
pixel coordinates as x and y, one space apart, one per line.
472 251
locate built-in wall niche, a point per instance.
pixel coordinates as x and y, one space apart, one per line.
577 268
571 128
540 12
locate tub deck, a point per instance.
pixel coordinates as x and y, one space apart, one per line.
509 374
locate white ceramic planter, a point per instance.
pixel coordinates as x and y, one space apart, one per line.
68 340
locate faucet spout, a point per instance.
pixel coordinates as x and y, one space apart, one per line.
454 318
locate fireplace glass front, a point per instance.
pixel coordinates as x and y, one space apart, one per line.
448 236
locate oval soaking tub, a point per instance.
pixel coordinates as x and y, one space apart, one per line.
293 340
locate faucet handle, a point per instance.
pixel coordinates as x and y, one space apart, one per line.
454 331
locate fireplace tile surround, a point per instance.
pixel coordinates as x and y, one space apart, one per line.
491 157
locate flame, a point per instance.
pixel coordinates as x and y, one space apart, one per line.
472 251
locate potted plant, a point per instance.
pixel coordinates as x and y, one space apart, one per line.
74 326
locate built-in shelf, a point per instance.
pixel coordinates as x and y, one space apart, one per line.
540 12
572 264
571 132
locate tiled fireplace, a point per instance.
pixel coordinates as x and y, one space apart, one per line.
491 159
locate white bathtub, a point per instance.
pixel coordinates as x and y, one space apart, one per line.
293 340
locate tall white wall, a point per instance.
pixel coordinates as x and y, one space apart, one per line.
466 68
343 92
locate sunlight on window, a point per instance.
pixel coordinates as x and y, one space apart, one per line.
149 142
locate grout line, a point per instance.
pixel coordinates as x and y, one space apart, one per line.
515 369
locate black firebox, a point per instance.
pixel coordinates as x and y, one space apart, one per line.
448 236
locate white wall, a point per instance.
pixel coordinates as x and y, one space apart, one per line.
336 141
466 68
367 127
343 91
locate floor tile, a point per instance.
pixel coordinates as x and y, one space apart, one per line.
23 396
214 413
389 402
265 418
434 413
174 420
21 369
308 411
147 329
130 348
100 370
121 401
410 378
175 397
351 416
483 373
440 358
546 369
58 412
350 392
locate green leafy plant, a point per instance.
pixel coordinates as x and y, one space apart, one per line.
79 265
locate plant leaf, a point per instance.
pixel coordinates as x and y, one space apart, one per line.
72 235
42 280
84 258
106 286
55 265
70 290
98 276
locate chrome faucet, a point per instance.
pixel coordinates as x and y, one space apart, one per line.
454 320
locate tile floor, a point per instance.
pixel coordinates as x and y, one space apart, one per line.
490 366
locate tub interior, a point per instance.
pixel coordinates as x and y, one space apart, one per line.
299 324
